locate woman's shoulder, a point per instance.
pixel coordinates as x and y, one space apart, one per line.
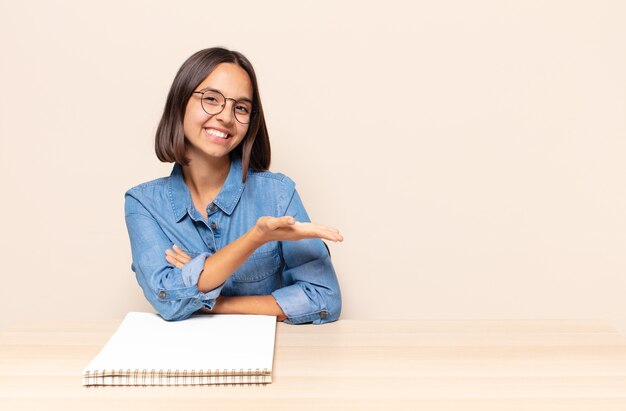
150 195
158 184
271 179
274 190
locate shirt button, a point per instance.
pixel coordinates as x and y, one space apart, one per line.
213 225
323 314
212 207
162 294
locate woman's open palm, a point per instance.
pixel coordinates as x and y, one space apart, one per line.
288 229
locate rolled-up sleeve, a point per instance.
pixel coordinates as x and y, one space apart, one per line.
172 291
313 294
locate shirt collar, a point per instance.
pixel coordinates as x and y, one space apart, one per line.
226 200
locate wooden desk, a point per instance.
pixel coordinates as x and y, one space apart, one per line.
425 365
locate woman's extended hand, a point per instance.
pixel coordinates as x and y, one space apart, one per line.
288 229
177 257
269 229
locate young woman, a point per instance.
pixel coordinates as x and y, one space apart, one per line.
222 234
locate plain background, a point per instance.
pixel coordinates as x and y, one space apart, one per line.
472 153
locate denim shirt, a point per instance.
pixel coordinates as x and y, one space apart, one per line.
160 213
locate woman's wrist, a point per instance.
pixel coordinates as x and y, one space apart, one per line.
255 237
256 304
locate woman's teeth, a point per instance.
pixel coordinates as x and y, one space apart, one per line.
216 133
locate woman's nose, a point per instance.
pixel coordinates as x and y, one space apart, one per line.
228 114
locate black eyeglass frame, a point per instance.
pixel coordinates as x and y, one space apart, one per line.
253 112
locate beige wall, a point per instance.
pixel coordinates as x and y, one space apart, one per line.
472 153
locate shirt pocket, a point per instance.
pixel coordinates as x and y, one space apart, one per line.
258 267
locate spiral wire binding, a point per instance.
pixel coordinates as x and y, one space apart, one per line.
153 377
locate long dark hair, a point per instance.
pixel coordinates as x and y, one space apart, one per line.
254 150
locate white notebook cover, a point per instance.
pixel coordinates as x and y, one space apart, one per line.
145 341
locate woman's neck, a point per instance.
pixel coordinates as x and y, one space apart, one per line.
206 178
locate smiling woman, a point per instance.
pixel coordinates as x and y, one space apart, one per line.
222 234
224 132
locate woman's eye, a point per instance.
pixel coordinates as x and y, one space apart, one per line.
242 109
210 99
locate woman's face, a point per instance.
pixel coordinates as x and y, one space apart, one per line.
214 136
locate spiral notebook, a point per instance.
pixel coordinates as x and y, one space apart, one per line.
201 350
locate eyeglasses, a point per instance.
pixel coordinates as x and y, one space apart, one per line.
213 102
